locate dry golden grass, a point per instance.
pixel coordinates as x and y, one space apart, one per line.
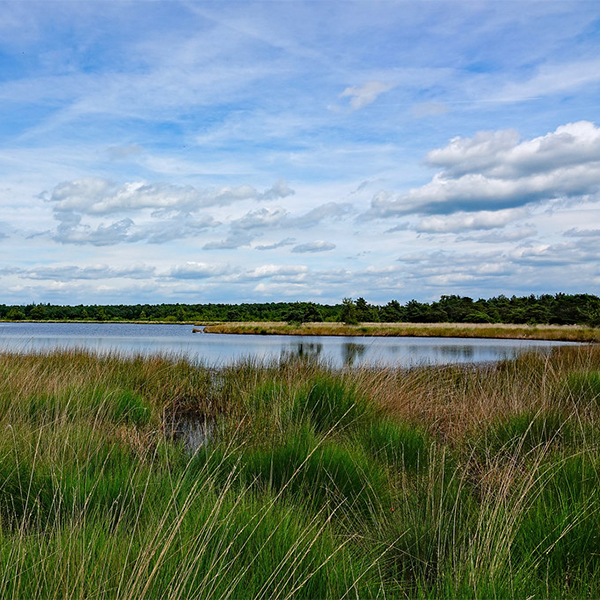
453 402
572 333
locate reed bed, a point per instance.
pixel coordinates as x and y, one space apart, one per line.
154 477
566 333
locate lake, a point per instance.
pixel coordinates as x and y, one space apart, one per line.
223 349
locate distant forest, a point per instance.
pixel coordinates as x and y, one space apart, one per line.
560 309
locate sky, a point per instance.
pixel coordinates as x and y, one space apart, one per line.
283 150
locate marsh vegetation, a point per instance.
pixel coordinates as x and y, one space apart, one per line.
565 333
299 481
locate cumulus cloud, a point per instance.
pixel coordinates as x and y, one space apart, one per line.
280 189
261 218
281 244
197 270
320 213
365 94
231 242
500 237
71 230
582 233
177 227
97 196
581 252
94 272
317 246
442 268
279 217
463 221
253 224
494 171
278 272
150 212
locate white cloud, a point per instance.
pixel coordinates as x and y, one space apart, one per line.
93 272
462 221
317 246
261 218
157 212
576 232
197 270
365 94
285 242
494 171
278 272
95 195
233 241
501 237
71 230
500 154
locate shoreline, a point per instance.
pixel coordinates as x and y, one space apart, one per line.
558 333
562 333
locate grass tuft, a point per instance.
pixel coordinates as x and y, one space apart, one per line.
300 481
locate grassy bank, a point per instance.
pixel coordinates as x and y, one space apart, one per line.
426 483
566 333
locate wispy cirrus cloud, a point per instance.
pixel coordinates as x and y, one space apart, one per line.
361 96
255 130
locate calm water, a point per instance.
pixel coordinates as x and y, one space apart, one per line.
213 349
220 349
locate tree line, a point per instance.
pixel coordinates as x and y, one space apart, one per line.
559 309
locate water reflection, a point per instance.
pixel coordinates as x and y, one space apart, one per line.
351 351
304 350
226 349
464 353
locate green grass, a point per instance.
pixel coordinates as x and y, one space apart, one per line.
422 483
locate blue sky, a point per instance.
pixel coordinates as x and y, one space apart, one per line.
287 150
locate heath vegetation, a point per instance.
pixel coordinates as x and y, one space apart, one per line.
152 477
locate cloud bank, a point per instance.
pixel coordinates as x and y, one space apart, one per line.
496 171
